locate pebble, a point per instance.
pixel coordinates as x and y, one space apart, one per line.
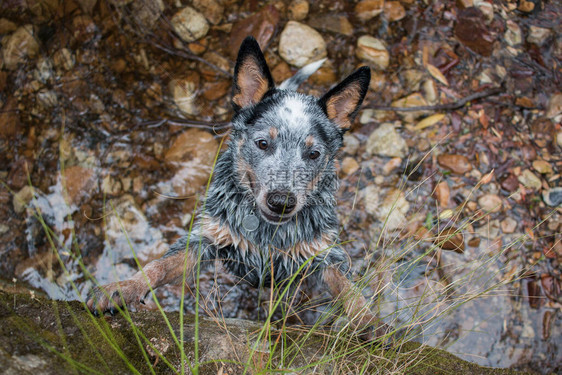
64 59
490 203
527 6
147 13
559 139
335 23
47 98
457 164
442 193
394 11
9 119
300 44
471 30
553 197
513 35
298 10
391 165
530 180
490 230
19 46
508 225
22 198
84 28
184 93
371 199
487 10
211 9
7 26
538 35
349 166
554 106
193 144
413 100
373 50
78 182
393 209
189 24
542 167
191 155
110 185
451 239
367 9
350 144
385 141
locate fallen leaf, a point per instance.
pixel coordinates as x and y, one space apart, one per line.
429 121
436 73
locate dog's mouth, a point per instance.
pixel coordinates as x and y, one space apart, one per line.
275 219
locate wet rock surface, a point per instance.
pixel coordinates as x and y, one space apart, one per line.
120 106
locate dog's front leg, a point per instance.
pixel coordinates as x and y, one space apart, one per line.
355 306
168 269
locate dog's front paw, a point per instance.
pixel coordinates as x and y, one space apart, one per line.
108 298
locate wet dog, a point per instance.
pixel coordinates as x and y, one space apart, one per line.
269 214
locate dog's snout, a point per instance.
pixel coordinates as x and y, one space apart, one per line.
281 202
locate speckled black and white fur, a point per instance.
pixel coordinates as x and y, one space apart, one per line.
278 171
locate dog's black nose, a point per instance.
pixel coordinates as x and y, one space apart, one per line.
281 202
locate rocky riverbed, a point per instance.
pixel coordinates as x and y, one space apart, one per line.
112 111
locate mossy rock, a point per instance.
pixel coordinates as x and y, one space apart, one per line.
41 336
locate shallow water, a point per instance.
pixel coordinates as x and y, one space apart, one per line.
111 178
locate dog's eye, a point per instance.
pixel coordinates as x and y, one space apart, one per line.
313 154
262 144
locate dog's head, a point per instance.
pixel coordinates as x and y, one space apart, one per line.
285 142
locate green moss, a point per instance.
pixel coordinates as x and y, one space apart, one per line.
63 338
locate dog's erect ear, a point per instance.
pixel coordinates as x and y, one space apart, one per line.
252 79
342 103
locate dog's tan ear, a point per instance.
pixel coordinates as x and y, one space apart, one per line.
342 103
252 79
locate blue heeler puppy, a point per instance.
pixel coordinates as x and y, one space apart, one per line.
270 208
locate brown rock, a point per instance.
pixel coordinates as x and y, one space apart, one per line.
373 50
349 166
490 203
367 9
281 72
527 6
215 90
84 28
508 225
191 155
472 31
7 26
450 239
19 46
554 107
391 165
261 26
335 23
193 144
542 166
211 9
442 193
511 183
298 10
458 164
474 242
78 182
9 119
394 11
